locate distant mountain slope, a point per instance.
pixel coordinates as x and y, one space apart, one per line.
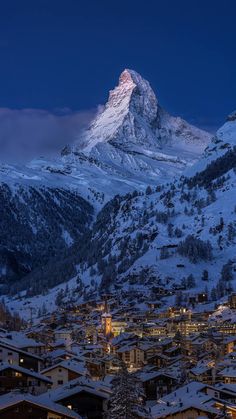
224 141
37 224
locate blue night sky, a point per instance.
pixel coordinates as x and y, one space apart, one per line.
59 54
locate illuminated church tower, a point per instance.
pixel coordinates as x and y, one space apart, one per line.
106 321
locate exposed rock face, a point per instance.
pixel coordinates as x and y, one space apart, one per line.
133 118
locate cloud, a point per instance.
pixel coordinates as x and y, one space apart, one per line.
29 133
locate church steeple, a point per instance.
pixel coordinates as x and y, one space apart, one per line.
106 320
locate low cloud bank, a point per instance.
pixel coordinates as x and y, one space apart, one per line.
29 133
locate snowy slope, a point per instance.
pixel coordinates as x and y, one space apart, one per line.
223 141
133 247
135 242
36 224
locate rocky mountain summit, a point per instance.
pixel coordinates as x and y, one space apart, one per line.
134 137
133 118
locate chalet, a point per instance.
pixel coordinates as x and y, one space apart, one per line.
64 337
189 401
226 392
131 355
95 367
13 376
109 364
21 341
173 352
160 360
16 356
229 343
228 375
60 355
155 328
232 300
185 411
84 396
64 371
204 372
157 384
149 348
18 406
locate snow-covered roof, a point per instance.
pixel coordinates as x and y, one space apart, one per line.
71 365
11 399
20 340
228 372
6 365
186 397
82 384
161 411
20 351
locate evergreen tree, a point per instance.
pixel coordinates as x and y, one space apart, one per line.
148 190
126 397
179 299
226 272
170 229
59 297
191 283
184 283
207 292
178 232
220 289
231 232
44 309
213 294
164 253
205 275
195 249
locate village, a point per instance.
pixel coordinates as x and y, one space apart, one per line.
183 359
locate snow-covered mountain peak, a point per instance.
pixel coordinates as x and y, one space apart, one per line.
135 91
130 110
132 121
